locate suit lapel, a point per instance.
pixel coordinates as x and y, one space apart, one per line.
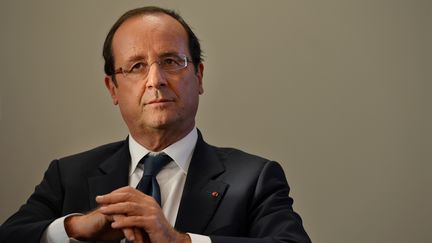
202 193
113 173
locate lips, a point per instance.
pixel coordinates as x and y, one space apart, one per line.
158 101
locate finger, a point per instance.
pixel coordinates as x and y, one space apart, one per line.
131 209
138 236
125 189
121 195
134 221
114 197
129 234
126 208
109 218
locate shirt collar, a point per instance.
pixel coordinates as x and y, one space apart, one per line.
180 151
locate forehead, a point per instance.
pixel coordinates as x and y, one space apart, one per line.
148 36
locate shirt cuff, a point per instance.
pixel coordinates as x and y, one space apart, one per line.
56 232
195 238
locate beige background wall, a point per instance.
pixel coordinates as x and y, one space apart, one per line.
338 91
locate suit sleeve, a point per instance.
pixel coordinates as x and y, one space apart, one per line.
43 207
271 217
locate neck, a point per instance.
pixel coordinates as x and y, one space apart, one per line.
158 139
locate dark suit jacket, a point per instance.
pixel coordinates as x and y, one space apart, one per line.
252 204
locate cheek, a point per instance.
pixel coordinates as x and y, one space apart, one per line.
190 97
185 94
187 89
131 95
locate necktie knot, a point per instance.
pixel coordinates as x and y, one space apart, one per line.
154 163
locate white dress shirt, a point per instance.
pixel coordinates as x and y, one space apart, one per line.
171 181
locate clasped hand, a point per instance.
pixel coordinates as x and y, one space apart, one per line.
125 212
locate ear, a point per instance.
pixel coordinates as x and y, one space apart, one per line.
199 74
112 89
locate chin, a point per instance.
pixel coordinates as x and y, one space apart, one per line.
163 123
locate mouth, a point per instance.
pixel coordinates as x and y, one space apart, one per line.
159 101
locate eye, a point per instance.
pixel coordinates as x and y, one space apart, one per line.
137 67
171 61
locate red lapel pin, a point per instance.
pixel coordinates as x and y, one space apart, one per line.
215 194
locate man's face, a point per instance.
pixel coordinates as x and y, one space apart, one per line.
161 100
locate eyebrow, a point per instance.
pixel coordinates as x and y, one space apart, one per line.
135 58
139 57
169 53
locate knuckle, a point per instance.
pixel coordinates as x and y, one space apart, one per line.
128 195
129 205
152 218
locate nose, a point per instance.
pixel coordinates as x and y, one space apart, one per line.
155 77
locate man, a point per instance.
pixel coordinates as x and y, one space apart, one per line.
207 194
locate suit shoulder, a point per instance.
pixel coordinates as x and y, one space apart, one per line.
243 168
96 154
240 157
